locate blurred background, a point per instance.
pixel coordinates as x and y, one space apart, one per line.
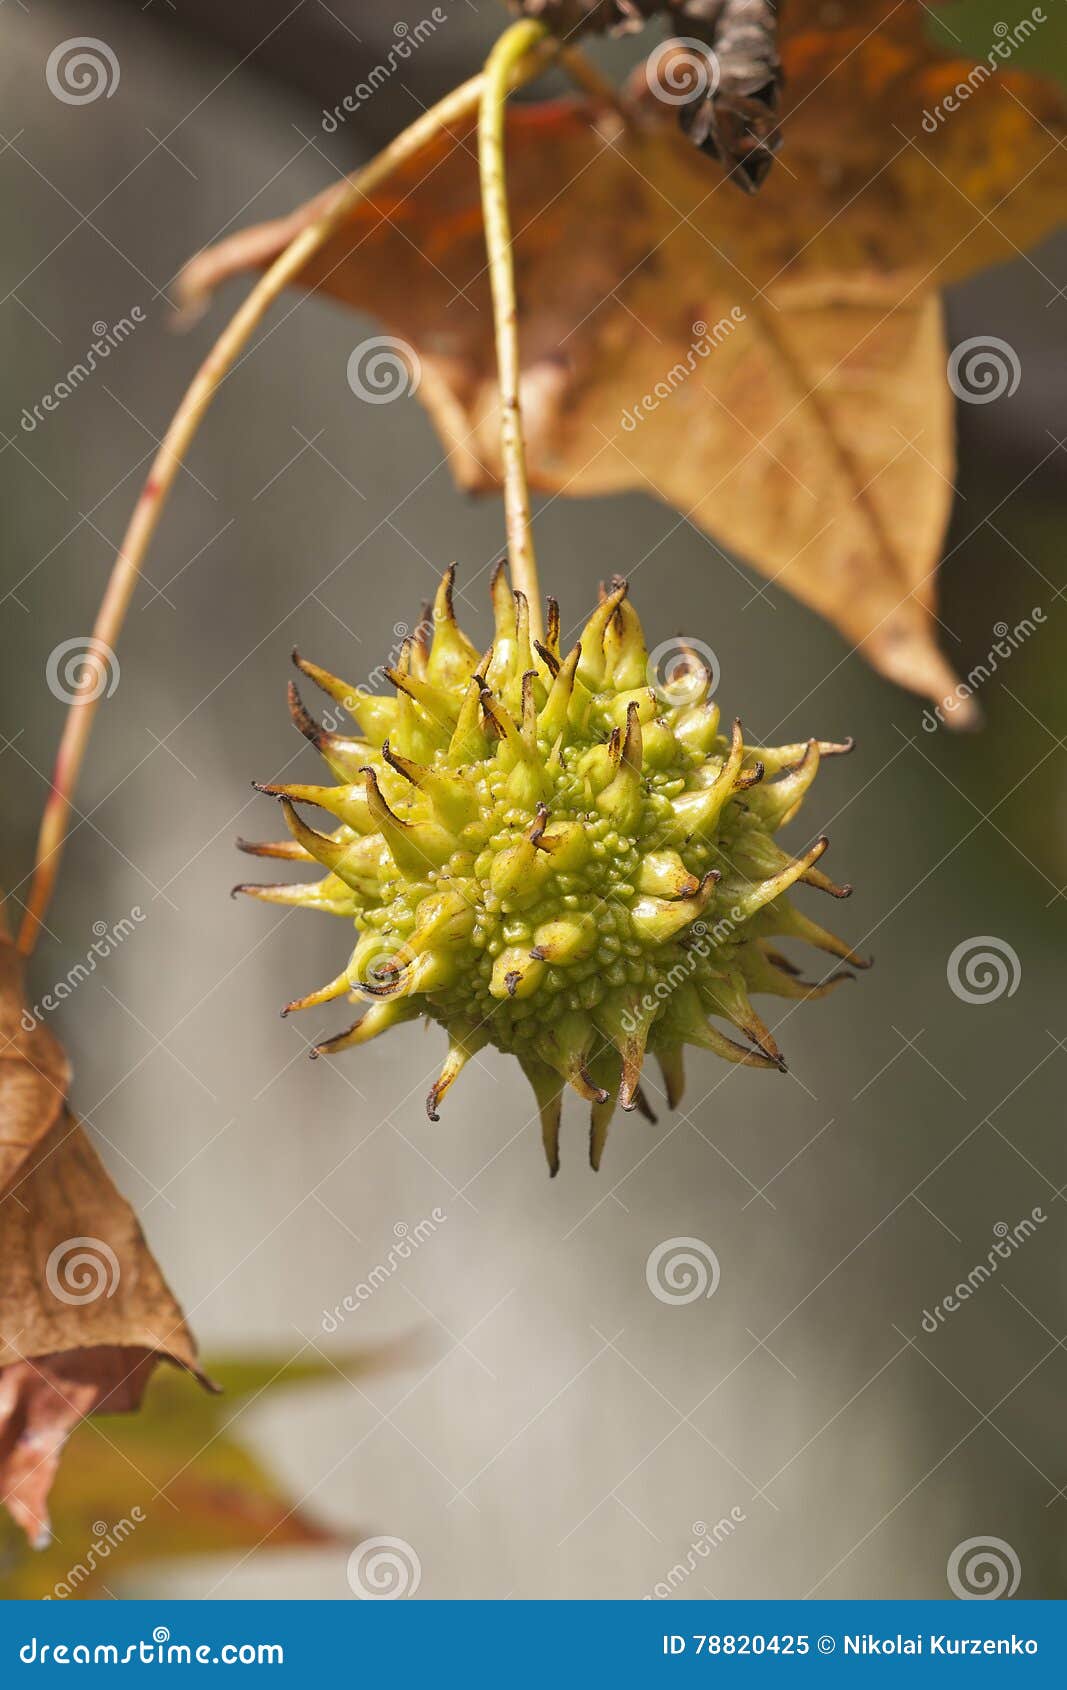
513 1403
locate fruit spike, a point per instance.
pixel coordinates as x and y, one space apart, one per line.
541 853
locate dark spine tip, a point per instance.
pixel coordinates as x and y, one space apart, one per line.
551 663
511 981
537 829
303 718
393 760
315 1052
646 1108
538 954
784 963
489 712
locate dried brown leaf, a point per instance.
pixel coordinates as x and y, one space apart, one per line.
85 1313
808 424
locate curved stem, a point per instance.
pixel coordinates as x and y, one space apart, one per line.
521 67
510 50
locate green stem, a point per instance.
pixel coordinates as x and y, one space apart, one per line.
510 50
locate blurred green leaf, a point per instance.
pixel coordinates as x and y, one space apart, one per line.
170 1482
968 29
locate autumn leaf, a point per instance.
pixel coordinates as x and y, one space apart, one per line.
173 1482
85 1314
775 368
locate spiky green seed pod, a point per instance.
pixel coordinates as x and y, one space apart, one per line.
556 855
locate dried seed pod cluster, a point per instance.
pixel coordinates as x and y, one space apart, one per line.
556 854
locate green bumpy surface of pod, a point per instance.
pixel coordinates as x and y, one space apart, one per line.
559 855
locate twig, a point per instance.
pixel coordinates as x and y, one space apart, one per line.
510 50
589 78
520 64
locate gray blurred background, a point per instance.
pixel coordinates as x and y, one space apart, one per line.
558 1431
